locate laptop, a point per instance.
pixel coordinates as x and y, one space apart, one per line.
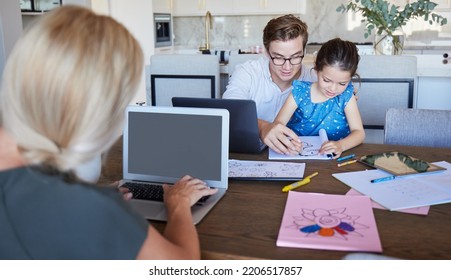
244 134
162 144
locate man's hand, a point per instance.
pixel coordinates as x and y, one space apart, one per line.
279 138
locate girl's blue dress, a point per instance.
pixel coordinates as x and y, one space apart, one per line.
310 117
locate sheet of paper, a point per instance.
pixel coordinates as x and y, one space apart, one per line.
330 222
310 148
265 169
403 192
416 210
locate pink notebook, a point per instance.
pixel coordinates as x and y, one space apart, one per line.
329 222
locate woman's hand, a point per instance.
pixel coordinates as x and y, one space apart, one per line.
126 194
186 191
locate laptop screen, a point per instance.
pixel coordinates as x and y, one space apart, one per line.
166 144
244 133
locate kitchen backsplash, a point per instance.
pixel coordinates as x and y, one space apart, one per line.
245 32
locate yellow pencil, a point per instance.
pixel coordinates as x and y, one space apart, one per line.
297 184
346 163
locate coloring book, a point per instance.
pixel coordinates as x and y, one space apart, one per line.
329 222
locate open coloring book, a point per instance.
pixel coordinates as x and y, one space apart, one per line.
329 222
310 148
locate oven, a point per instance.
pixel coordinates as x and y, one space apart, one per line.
163 30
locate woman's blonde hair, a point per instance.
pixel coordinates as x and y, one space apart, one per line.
66 85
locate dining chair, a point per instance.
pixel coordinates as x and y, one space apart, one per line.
386 81
182 75
418 127
236 59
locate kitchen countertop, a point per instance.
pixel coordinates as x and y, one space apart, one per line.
429 65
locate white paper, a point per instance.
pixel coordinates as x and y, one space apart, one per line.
265 169
310 148
402 192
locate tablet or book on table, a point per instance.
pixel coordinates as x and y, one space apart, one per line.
399 164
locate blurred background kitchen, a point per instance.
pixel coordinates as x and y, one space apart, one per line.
183 26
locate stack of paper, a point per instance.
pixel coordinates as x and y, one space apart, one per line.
402 192
424 210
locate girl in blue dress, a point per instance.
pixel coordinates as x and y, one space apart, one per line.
329 103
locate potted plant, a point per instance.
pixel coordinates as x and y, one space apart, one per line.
388 19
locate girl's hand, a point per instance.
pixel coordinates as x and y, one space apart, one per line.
331 147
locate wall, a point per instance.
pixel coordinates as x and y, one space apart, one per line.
10 28
243 32
137 16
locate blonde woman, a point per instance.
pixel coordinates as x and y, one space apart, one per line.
64 90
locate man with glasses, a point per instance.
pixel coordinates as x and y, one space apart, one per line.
268 80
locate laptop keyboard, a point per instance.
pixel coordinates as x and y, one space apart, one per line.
154 192
145 191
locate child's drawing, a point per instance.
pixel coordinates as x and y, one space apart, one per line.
265 169
330 222
309 149
335 223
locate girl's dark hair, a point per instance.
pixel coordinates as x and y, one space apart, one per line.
338 53
284 28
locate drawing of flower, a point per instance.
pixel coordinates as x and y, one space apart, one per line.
328 223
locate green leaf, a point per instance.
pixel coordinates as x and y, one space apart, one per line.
384 16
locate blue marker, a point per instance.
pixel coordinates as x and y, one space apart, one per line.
383 179
345 157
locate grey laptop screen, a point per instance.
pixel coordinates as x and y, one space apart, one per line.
163 146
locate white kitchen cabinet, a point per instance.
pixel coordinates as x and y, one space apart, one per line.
265 7
200 7
237 7
434 93
434 82
162 6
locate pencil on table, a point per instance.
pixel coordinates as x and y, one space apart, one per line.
346 163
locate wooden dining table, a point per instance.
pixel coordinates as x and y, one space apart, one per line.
246 222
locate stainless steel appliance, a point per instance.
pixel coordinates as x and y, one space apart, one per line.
163 30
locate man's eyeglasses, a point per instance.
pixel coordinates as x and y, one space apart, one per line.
279 61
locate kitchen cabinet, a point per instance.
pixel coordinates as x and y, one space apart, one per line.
434 82
434 93
200 7
265 7
162 6
237 7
